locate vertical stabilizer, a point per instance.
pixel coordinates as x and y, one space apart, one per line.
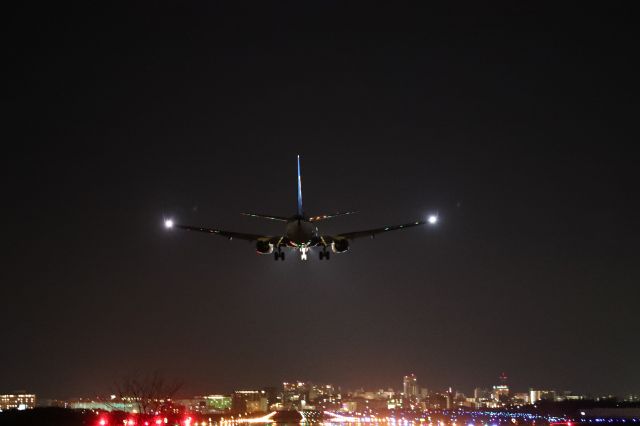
300 212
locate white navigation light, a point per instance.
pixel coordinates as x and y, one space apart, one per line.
168 224
433 219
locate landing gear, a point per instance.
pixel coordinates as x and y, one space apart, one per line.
303 253
325 254
278 255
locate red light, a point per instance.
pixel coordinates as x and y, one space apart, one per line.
102 422
159 422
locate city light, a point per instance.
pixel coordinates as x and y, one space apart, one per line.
168 223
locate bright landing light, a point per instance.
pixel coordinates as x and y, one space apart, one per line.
168 223
433 219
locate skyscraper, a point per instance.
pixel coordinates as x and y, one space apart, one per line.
410 385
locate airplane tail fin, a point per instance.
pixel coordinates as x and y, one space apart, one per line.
300 211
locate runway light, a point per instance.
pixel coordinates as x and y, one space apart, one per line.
433 219
168 223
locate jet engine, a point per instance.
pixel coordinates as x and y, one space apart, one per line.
340 246
264 247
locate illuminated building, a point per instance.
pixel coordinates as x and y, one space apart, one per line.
299 395
208 404
449 397
249 401
520 398
568 396
410 386
537 395
500 393
482 394
17 401
217 403
295 394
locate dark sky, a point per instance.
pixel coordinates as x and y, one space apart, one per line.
515 124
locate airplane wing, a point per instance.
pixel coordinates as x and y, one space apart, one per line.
266 216
320 217
373 232
229 234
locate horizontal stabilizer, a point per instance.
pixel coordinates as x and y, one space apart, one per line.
328 216
266 216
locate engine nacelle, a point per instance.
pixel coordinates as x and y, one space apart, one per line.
264 247
340 246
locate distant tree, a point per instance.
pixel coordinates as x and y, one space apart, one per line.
148 393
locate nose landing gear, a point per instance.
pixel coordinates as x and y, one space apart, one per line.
278 255
303 253
325 254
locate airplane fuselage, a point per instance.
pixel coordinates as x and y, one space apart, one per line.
301 232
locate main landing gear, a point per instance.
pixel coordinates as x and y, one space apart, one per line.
278 255
325 254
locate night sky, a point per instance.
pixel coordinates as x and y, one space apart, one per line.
515 124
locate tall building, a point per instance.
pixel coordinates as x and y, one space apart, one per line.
500 393
410 386
449 395
17 401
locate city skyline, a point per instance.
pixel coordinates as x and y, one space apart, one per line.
151 395
408 386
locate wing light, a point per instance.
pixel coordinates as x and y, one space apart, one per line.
433 219
168 223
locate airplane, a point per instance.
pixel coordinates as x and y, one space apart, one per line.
301 232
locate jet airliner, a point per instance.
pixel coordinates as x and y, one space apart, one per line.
301 232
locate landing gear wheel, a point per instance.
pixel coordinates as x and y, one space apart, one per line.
327 255
279 255
282 255
322 255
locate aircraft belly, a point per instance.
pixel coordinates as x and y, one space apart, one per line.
300 234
